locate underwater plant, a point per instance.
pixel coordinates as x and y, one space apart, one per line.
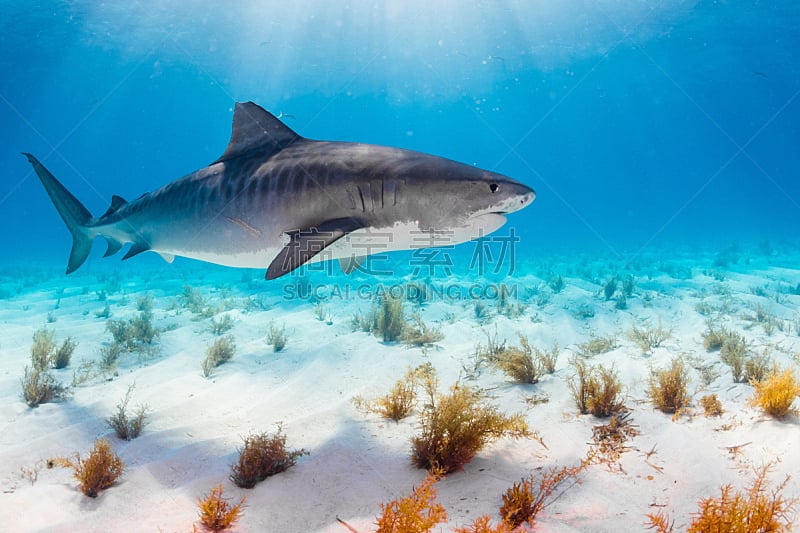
39 386
483 524
322 313
418 512
715 336
456 426
733 353
220 352
125 426
525 364
277 337
595 389
418 333
401 399
135 334
389 318
776 393
610 287
668 387
757 508
524 500
493 349
505 306
63 355
482 311
628 284
223 325
110 354
711 405
98 471
261 456
43 348
216 512
196 303
596 346
45 353
366 323
648 336
609 439
556 283
145 303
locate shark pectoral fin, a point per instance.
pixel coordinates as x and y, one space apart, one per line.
305 244
135 249
352 263
114 246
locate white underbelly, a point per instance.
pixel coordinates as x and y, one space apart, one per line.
362 242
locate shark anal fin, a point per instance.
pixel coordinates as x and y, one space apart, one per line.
135 249
256 129
305 244
114 246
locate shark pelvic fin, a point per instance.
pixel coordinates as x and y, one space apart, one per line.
256 129
351 264
74 214
305 244
135 249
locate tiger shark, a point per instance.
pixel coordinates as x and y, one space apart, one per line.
277 200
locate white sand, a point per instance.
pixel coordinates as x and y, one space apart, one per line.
358 461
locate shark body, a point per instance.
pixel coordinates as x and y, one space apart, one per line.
275 199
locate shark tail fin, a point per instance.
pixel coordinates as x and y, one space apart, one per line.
74 214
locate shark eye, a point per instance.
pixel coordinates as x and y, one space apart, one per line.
494 187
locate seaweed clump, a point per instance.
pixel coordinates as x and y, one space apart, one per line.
45 353
416 513
39 386
126 426
400 401
219 353
216 512
524 500
757 508
263 455
277 337
136 334
387 320
668 387
595 389
525 364
711 405
454 427
776 393
648 336
98 471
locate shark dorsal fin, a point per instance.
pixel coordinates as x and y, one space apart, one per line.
255 128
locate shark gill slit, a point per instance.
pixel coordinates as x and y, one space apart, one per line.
361 196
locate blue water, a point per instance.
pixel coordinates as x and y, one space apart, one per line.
641 125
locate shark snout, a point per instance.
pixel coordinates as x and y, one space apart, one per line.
518 196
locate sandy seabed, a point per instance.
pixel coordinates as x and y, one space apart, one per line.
358 461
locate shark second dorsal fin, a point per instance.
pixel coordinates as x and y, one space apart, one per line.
116 203
256 129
